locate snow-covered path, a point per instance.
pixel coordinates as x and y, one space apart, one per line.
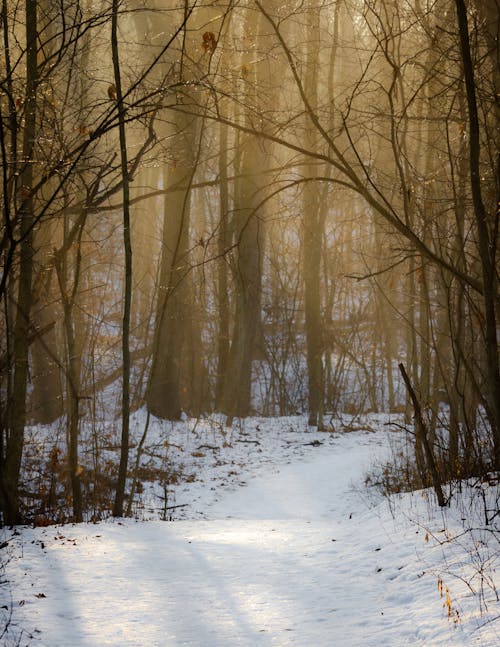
293 558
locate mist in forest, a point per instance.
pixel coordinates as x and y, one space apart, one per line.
246 208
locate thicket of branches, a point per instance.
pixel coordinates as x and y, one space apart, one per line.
249 207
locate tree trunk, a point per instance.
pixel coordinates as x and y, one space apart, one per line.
237 390
73 368
17 417
251 163
164 389
313 226
127 245
46 402
486 245
223 241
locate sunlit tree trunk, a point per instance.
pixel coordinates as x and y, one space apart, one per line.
223 241
164 389
248 224
313 227
248 232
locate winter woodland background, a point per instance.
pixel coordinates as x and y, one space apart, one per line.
244 208
232 232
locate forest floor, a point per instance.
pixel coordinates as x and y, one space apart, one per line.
277 537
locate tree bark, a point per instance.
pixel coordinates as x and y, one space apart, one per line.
313 226
237 390
486 245
127 296
164 388
223 240
17 410
248 237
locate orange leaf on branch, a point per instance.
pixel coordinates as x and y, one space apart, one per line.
209 41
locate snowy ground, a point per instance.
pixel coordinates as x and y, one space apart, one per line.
277 542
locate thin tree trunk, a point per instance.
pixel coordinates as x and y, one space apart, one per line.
122 472
73 371
314 219
237 391
421 430
222 270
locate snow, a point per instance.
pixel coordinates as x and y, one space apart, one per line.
281 544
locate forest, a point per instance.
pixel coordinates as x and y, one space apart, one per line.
249 323
244 208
